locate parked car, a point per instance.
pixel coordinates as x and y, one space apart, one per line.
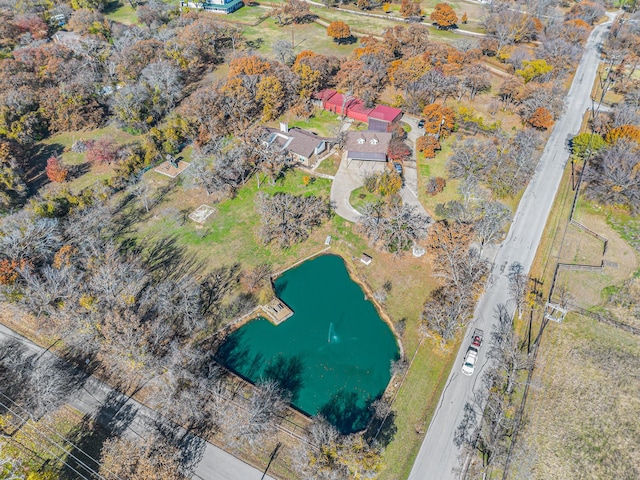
471 357
398 168
421 124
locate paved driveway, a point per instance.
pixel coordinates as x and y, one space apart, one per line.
409 192
346 180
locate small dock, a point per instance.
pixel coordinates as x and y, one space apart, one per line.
277 311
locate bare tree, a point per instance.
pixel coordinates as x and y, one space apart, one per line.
283 51
612 177
256 277
518 281
505 350
288 218
257 420
141 190
396 227
493 216
162 80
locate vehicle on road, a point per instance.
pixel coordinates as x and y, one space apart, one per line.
398 168
421 124
471 357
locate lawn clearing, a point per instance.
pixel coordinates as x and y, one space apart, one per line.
322 122
118 12
234 227
31 446
60 144
436 167
261 33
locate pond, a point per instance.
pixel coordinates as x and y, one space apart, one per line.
333 355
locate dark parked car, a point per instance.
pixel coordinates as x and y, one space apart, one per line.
421 124
398 168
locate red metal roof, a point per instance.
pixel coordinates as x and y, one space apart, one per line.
335 100
324 95
388 114
357 106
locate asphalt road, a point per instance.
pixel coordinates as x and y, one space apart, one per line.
438 456
112 409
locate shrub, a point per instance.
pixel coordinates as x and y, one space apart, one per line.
102 151
435 185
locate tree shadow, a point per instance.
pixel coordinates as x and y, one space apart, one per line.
350 40
110 420
255 44
76 171
287 372
344 412
165 259
190 447
233 353
34 171
381 430
280 287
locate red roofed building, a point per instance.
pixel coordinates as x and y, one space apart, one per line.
379 118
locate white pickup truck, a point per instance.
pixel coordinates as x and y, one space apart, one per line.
471 356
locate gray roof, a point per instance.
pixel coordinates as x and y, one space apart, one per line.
298 141
368 145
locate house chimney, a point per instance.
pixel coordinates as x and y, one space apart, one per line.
284 127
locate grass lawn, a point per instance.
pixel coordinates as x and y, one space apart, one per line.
330 165
308 36
582 417
414 407
322 122
232 229
34 451
436 167
361 196
118 12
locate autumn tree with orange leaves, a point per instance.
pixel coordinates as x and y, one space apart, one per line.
438 120
55 170
630 132
339 31
541 119
410 8
444 17
428 145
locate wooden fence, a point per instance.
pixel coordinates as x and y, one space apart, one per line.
585 229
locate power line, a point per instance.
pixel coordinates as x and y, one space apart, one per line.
51 441
35 440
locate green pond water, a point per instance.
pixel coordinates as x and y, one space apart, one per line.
333 355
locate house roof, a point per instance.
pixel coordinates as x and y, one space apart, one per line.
368 141
387 114
296 140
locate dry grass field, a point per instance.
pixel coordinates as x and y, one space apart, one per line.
582 413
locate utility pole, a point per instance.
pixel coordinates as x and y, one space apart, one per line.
274 454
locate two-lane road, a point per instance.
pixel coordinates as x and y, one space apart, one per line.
438 456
